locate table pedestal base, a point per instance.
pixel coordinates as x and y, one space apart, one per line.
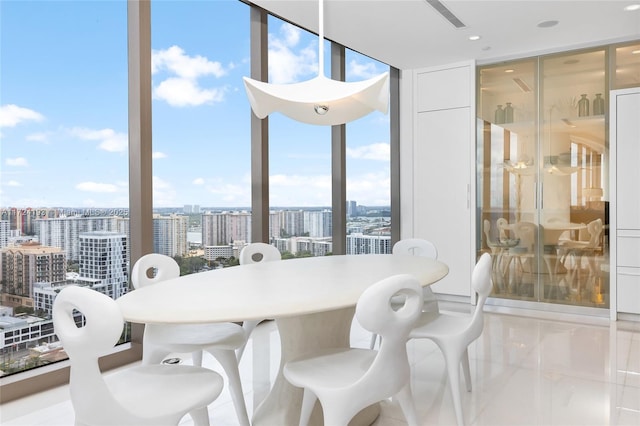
299 335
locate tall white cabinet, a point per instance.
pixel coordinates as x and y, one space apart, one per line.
437 167
625 201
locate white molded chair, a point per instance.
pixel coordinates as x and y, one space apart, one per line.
347 380
453 333
144 395
256 253
416 247
222 340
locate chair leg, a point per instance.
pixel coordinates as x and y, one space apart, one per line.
200 416
248 329
308 402
453 369
405 400
466 370
228 361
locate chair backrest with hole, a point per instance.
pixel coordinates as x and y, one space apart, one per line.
153 268
259 252
102 328
375 313
416 247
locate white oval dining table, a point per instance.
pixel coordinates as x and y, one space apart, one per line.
312 300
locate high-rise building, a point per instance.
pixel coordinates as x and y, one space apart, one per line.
314 246
214 229
225 227
352 208
64 232
4 233
318 223
368 244
103 256
240 226
24 219
293 224
276 223
170 235
25 265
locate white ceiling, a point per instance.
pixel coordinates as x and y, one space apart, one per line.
410 34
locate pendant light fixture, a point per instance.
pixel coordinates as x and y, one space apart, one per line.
321 100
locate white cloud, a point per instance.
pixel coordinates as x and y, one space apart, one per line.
12 115
177 62
180 92
96 187
365 71
110 140
17 162
376 151
285 64
198 181
39 137
182 87
156 155
13 183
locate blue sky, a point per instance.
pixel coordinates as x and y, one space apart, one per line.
63 109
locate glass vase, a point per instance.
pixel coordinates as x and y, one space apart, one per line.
499 119
583 106
508 113
598 105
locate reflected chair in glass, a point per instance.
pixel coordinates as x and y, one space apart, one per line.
521 255
221 340
416 247
574 251
454 333
347 380
256 253
89 324
498 248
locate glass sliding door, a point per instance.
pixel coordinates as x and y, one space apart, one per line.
542 155
573 149
507 135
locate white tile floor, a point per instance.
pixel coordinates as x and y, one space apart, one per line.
525 371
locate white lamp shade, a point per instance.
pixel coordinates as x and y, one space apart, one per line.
339 101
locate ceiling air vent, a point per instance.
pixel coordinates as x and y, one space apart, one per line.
446 13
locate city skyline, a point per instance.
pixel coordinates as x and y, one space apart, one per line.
63 115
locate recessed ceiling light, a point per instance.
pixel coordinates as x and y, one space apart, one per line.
509 70
547 24
635 52
474 37
632 7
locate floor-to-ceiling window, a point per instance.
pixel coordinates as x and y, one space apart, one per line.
64 133
201 136
65 140
299 153
368 169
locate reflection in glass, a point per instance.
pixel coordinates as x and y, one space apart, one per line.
542 183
